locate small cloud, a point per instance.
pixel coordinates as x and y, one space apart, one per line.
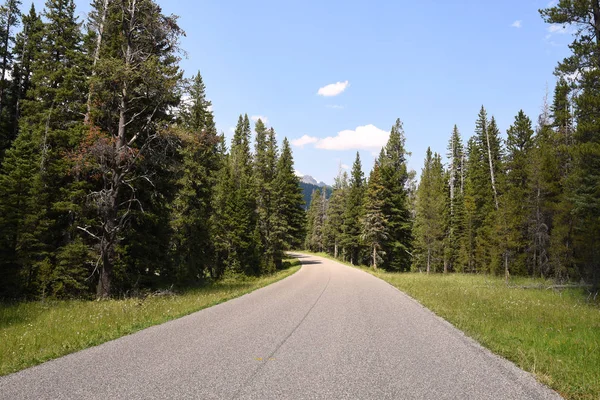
304 140
517 24
558 28
232 129
335 106
367 137
345 166
264 119
298 173
333 89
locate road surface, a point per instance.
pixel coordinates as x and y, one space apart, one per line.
327 332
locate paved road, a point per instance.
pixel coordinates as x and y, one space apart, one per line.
327 332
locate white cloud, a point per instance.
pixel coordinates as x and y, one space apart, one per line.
558 28
552 3
298 173
345 166
231 129
333 89
304 140
517 24
264 119
367 137
335 106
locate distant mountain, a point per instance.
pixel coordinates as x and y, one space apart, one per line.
312 181
309 188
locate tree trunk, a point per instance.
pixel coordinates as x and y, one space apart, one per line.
96 58
428 259
493 178
374 257
335 249
4 57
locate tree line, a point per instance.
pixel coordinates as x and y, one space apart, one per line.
113 176
525 205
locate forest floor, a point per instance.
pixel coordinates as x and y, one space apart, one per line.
554 334
34 332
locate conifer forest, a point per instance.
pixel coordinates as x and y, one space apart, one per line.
114 178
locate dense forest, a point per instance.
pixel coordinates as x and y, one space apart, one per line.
113 177
528 204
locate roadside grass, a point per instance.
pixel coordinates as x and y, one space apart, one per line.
35 332
553 334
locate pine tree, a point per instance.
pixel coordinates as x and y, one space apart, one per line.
316 220
584 180
456 207
334 221
135 89
265 162
374 221
395 178
353 213
518 199
429 220
192 207
288 218
49 125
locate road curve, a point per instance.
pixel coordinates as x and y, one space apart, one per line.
327 332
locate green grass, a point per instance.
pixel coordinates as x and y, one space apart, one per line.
553 334
32 333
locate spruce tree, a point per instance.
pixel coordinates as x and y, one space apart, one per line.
135 89
518 200
288 217
429 220
584 180
334 221
192 206
374 221
395 178
353 213
456 207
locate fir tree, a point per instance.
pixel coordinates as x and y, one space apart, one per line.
395 178
334 221
429 220
200 160
353 213
518 199
288 218
374 221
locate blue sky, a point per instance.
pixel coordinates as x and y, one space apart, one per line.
430 63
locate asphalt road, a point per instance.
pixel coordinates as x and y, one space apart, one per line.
327 332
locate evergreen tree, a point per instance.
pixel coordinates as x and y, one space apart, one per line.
518 199
456 207
429 220
316 219
395 178
50 126
374 221
353 213
135 89
584 179
288 218
334 221
265 162
192 207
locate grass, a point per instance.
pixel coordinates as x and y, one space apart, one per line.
553 334
32 333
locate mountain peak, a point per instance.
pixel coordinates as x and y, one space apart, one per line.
309 179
